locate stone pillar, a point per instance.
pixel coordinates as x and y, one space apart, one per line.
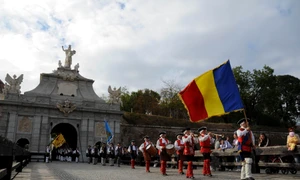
44 132
11 127
35 137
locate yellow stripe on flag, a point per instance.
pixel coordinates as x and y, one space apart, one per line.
207 87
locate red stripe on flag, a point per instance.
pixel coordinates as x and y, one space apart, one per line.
194 102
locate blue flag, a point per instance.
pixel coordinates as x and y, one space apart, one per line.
109 134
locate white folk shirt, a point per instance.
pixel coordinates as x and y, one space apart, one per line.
134 148
191 140
244 132
144 145
164 141
177 147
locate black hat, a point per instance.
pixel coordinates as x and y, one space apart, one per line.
202 128
186 129
179 134
147 137
163 132
242 120
133 140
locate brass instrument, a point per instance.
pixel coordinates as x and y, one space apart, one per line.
219 135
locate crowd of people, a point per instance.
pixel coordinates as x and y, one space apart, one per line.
184 149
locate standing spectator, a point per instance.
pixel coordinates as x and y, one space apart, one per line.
292 143
88 154
217 142
263 140
235 145
228 145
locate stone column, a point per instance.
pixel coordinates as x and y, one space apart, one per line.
35 137
11 127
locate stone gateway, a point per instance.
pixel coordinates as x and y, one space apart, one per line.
63 102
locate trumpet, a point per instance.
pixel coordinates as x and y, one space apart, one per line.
219 135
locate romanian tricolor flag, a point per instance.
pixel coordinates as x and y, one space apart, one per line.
211 94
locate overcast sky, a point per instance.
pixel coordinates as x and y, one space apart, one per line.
139 43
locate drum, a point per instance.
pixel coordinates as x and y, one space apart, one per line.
170 149
151 150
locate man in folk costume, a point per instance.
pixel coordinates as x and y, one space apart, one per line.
76 153
161 144
103 154
133 151
147 156
205 142
245 143
179 146
95 152
189 142
111 154
88 154
47 153
119 153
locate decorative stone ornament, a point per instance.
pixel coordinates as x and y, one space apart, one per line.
66 107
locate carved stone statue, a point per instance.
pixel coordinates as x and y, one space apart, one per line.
66 108
69 54
76 67
13 84
59 64
114 95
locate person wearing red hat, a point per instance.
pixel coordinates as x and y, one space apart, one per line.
205 142
179 146
161 144
189 151
133 151
147 156
246 143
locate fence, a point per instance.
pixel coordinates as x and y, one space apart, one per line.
12 157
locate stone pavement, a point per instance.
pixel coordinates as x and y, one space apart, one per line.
84 171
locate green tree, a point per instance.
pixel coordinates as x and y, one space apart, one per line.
289 89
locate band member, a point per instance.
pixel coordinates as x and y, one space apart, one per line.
95 155
76 154
245 143
205 144
161 144
88 154
47 154
119 153
189 151
103 154
69 153
147 156
133 151
179 146
111 154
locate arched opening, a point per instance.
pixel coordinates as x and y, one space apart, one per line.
23 142
68 131
70 134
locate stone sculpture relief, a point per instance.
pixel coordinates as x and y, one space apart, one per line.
25 125
66 107
100 129
114 95
12 85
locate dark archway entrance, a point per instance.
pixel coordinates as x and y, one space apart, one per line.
69 132
23 142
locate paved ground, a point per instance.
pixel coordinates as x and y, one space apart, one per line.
82 171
